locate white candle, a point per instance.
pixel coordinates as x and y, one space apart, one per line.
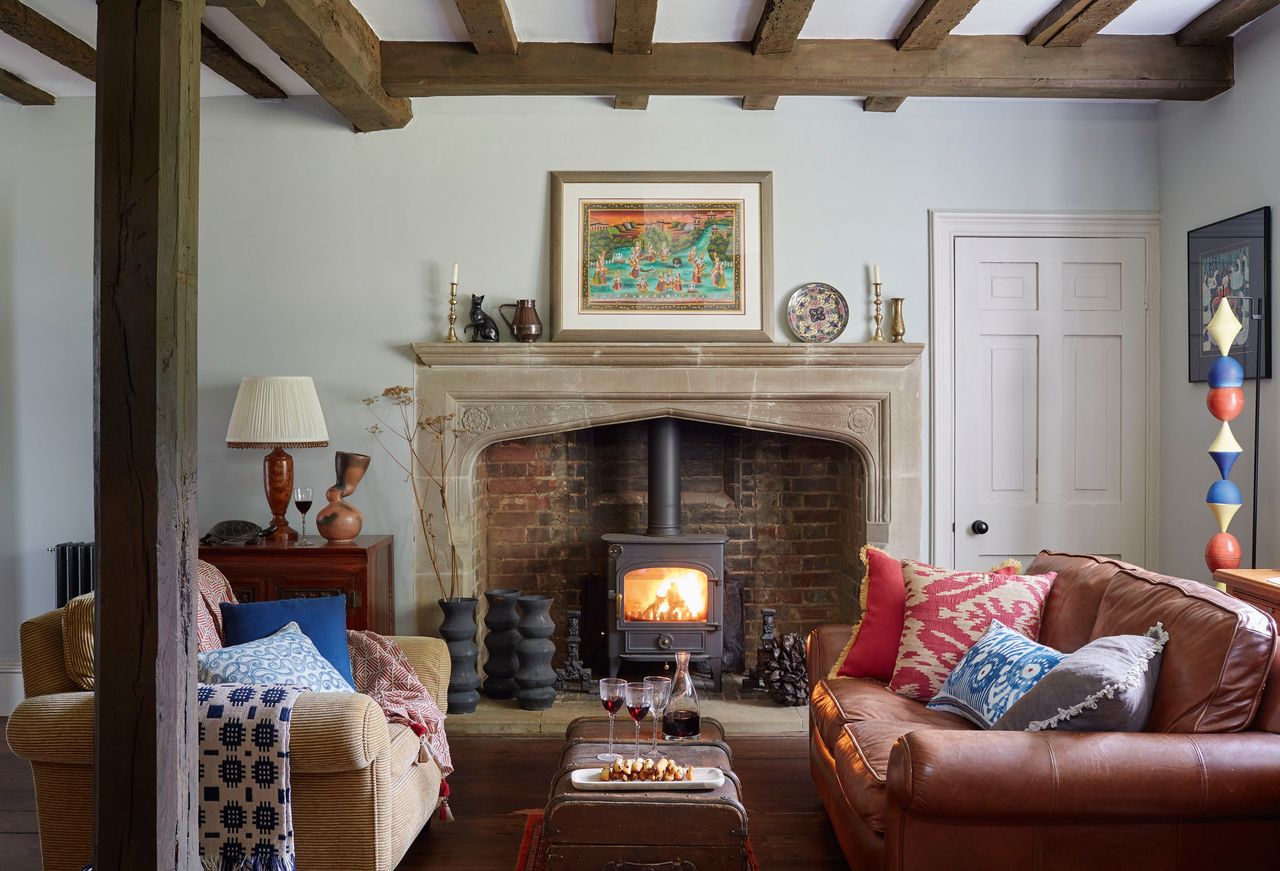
455 273
875 274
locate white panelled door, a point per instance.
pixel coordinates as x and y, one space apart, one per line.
1050 397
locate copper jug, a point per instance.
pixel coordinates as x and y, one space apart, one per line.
526 326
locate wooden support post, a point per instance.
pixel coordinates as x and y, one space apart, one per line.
147 170
882 104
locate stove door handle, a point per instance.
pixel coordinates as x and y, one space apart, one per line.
618 601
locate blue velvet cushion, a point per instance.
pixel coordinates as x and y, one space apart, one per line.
997 671
323 620
286 657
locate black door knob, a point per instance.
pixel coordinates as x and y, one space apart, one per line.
979 527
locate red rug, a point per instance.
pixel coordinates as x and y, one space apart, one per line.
533 850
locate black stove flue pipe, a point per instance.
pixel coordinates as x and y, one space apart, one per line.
664 476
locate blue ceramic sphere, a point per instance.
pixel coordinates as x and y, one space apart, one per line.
1223 493
1226 372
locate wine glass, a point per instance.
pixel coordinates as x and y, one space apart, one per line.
612 695
661 687
639 701
302 501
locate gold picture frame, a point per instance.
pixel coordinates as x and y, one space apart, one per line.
662 257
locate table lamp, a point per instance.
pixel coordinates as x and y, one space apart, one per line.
277 412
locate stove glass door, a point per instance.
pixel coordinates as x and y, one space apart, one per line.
665 594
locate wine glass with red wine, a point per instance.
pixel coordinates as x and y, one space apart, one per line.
612 694
639 701
302 501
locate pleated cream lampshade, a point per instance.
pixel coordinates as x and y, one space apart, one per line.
277 411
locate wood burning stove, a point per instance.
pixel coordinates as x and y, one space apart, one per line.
666 588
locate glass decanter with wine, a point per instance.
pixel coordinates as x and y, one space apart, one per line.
682 721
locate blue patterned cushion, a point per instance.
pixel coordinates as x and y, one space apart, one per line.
995 673
288 657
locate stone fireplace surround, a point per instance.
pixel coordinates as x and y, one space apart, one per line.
867 396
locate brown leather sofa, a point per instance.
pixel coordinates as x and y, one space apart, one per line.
910 788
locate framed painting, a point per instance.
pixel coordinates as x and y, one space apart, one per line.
662 257
1230 262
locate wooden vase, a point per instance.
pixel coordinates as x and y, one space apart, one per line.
500 644
339 521
459 633
535 678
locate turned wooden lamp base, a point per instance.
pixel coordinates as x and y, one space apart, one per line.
277 480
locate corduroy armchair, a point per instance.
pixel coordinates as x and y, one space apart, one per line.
360 795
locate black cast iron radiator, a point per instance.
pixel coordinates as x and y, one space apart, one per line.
72 569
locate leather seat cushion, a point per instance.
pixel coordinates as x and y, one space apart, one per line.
862 765
1219 653
837 702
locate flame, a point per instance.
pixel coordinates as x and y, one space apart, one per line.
669 594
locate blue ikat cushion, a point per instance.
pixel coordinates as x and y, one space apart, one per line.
997 671
286 657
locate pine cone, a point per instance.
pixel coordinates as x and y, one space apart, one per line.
783 670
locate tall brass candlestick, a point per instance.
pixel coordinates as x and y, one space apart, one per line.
878 335
452 336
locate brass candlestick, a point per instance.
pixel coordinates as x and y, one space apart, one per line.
452 335
878 335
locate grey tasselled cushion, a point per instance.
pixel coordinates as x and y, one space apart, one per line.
1105 686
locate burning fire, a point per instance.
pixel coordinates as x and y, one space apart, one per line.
665 595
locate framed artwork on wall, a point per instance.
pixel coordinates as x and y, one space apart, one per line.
662 257
1230 261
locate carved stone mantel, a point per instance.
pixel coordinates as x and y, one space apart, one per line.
867 396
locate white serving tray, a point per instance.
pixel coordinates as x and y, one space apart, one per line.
703 778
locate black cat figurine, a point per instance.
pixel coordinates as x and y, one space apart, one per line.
486 328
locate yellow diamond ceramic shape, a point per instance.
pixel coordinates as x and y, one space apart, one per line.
1223 514
1223 327
1225 443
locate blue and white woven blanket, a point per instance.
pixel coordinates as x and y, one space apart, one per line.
246 821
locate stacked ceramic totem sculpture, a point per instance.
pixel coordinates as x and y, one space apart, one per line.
1225 401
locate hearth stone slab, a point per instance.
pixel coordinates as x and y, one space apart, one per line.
743 717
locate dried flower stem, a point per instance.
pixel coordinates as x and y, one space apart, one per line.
433 469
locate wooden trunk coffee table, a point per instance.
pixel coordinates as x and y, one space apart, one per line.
704 830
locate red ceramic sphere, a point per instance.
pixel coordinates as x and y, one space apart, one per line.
1222 552
1225 403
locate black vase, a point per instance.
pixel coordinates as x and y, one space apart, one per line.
459 632
535 679
500 643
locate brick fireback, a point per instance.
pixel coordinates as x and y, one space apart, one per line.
791 506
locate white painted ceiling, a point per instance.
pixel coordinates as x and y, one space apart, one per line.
578 21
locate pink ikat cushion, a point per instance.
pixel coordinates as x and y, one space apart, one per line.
948 611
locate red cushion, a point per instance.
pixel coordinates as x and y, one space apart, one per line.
873 647
872 650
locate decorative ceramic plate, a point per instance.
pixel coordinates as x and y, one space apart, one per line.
817 312
703 778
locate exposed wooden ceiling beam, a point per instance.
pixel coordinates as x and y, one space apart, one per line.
780 26
330 45
223 60
23 92
932 23
28 26
882 104
633 23
489 26
1215 25
777 33
1108 67
1075 22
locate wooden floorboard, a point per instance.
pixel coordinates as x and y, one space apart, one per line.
499 780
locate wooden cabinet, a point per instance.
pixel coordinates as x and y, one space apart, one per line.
278 570
1253 586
